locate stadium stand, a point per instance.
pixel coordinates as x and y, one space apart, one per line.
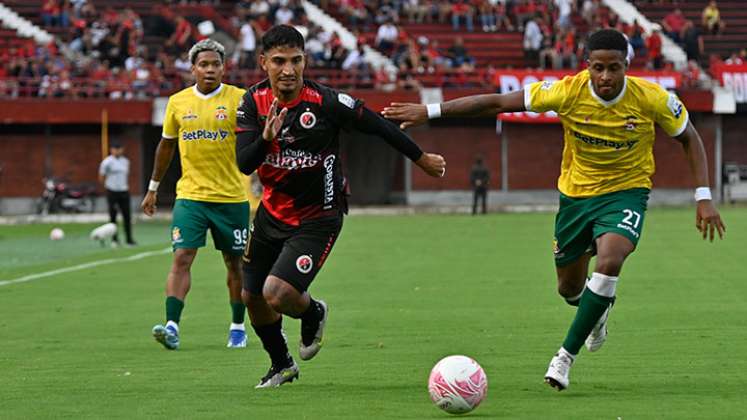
733 14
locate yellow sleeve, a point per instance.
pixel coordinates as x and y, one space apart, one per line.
670 113
170 122
545 95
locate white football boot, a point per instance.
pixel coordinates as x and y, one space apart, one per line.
557 372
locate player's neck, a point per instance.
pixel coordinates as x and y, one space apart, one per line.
286 97
207 90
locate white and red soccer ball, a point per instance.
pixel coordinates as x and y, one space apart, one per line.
457 384
57 234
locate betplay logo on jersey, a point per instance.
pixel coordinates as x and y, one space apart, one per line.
674 105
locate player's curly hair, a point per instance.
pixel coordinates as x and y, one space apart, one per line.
282 36
607 39
207 45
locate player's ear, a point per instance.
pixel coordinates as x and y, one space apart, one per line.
263 62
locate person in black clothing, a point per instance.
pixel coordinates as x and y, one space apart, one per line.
114 173
288 131
479 178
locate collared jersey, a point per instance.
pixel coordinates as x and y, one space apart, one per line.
205 125
301 171
608 144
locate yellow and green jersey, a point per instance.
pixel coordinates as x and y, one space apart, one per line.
204 125
608 144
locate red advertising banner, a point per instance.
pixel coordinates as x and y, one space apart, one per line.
733 77
511 80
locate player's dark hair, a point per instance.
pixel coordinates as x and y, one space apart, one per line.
282 36
607 39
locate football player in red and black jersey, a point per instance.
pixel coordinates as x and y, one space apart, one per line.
288 131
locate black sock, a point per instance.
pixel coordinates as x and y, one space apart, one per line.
313 313
274 342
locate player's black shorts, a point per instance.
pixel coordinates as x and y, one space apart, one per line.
292 253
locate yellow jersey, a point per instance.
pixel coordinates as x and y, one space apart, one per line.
608 145
204 125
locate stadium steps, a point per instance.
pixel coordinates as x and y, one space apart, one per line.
733 13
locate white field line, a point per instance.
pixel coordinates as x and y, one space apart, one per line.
79 267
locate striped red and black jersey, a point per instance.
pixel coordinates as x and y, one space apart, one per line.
300 168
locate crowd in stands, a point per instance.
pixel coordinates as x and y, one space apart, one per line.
105 54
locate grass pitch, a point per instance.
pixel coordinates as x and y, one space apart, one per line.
403 292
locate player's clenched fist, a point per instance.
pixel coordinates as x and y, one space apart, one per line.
432 164
149 203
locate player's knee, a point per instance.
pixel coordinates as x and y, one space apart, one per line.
569 289
610 264
182 261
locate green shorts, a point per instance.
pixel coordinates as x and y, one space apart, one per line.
228 223
581 220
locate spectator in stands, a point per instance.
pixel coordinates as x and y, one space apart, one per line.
635 36
565 8
50 13
532 42
461 11
247 45
386 12
653 45
182 36
711 19
692 41
386 37
589 12
416 10
283 15
569 49
549 55
691 75
356 12
259 8
673 24
460 58
734 59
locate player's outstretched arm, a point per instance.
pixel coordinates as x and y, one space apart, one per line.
372 123
469 106
707 219
164 154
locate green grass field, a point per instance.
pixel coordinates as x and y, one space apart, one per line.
403 292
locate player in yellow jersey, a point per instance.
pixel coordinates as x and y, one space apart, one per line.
608 123
210 194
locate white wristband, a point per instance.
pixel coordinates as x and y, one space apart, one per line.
434 111
703 193
153 185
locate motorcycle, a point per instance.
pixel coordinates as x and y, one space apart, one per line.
59 197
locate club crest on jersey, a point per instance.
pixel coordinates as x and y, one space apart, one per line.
630 123
304 264
221 113
176 235
307 120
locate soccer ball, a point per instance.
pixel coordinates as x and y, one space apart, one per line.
57 234
457 384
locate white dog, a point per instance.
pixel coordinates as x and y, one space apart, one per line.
104 232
